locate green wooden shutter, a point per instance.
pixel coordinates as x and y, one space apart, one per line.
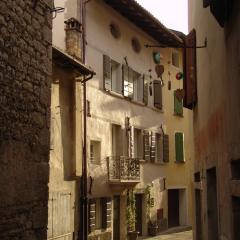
92 215
106 205
107 81
179 147
153 147
165 148
157 88
178 105
146 145
145 90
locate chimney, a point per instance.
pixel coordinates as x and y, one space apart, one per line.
73 29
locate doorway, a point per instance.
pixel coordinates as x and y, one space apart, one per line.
173 207
138 224
116 217
212 205
198 208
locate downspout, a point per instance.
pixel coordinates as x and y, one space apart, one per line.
84 197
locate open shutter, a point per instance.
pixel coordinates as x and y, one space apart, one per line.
178 105
153 147
157 88
92 215
145 89
179 147
106 212
131 142
165 148
146 146
107 82
190 74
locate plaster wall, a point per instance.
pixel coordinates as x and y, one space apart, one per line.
112 108
216 116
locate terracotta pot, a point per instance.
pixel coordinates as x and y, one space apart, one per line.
132 235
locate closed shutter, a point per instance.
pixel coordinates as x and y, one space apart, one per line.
159 148
157 88
92 215
178 105
106 204
107 82
179 147
146 146
190 80
165 148
153 147
145 89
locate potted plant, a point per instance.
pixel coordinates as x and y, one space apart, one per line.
153 228
131 215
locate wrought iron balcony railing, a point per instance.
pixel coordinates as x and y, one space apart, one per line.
123 169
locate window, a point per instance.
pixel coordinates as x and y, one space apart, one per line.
117 140
100 210
156 147
235 169
112 79
115 30
138 143
179 147
128 76
175 59
178 104
95 152
138 87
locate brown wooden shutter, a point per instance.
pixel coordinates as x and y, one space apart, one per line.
146 143
165 148
190 74
145 90
106 204
107 72
178 105
153 147
157 88
92 215
159 148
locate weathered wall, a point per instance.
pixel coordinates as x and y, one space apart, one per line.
25 69
216 116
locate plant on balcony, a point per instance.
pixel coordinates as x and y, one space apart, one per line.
131 215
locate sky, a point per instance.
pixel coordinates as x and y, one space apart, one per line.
172 13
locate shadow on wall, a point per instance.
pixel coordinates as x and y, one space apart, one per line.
67 115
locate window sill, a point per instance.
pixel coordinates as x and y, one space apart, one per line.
179 162
178 115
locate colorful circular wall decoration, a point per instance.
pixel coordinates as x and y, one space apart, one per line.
156 57
179 76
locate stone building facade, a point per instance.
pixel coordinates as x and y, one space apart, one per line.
25 80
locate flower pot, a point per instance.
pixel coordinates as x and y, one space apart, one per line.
133 235
153 230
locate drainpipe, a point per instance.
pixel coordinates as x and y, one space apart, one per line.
84 196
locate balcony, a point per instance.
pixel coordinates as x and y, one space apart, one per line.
123 170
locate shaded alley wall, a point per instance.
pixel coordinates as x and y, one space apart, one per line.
25 70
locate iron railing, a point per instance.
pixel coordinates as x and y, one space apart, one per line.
122 168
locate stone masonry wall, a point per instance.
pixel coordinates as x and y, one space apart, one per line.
25 77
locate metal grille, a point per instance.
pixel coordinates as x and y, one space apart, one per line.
123 168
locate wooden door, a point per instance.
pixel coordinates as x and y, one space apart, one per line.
116 218
173 207
138 224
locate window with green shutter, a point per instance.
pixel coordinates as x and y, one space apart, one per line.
179 147
178 105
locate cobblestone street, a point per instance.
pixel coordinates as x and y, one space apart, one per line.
173 236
